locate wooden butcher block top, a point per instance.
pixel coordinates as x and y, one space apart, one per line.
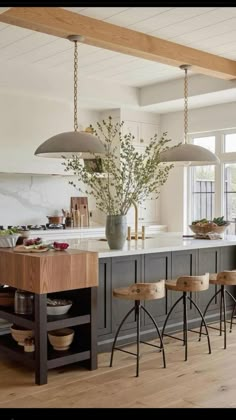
49 271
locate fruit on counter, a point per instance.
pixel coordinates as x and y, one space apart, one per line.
60 245
35 241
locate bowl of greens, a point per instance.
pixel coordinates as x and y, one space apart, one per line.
204 226
9 237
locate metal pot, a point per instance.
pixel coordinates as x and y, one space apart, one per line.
55 220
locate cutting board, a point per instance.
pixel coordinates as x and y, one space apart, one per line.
81 204
22 248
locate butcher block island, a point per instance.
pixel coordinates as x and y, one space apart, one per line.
70 275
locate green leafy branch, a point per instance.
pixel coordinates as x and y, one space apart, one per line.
131 176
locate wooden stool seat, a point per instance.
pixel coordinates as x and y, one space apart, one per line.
227 278
189 283
212 278
141 291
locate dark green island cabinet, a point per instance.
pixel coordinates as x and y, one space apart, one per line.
122 271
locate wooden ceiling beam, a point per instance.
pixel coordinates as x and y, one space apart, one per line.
62 23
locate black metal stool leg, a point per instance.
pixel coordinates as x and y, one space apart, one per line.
185 326
221 306
233 311
159 334
202 322
117 333
137 313
232 317
169 313
224 310
205 311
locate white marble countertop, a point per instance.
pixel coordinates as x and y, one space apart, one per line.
94 231
161 242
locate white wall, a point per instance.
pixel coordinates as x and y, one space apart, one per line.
25 121
173 196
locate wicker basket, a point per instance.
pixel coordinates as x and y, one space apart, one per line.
208 228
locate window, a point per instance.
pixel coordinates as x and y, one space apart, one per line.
212 189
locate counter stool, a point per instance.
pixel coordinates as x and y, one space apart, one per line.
138 292
225 278
187 284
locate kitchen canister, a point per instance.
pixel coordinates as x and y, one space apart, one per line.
23 302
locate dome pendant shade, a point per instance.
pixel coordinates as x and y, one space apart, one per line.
189 155
71 143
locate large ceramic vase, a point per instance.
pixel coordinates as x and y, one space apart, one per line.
116 231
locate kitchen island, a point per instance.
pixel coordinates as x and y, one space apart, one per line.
165 256
71 274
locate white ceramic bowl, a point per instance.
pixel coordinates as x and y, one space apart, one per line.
8 241
58 310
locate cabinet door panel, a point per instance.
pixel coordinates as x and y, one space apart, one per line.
228 262
125 271
156 267
104 297
133 128
209 262
183 263
147 131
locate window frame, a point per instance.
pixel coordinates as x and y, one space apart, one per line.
225 157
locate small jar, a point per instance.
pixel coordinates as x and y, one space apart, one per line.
23 303
29 345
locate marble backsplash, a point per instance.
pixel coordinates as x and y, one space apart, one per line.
26 199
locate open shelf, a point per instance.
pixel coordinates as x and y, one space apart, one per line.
73 354
9 347
67 320
80 318
56 358
25 321
53 322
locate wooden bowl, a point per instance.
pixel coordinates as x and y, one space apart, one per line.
19 334
61 339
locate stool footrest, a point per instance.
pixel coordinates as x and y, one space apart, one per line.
125 351
172 336
198 332
150 344
214 328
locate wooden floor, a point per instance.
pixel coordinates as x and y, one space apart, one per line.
203 381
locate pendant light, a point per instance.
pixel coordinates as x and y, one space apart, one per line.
187 154
74 142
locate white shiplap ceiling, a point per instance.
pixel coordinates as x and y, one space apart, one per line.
211 29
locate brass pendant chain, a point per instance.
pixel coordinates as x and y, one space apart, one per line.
185 105
75 85
185 67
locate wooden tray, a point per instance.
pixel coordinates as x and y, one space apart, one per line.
22 248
